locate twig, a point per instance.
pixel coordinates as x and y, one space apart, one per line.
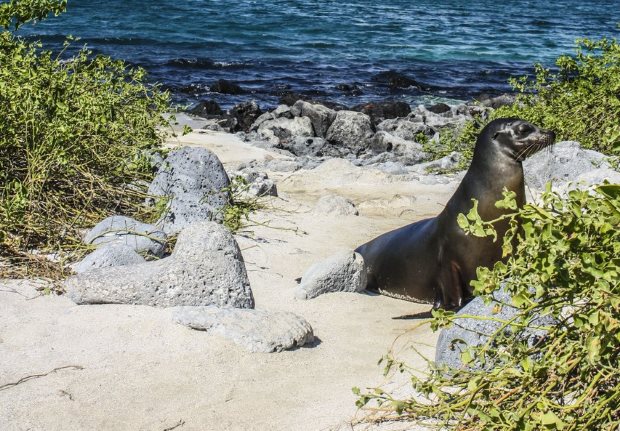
36 376
179 424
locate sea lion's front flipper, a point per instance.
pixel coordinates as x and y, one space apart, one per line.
452 290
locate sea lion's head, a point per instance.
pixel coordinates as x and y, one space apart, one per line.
515 138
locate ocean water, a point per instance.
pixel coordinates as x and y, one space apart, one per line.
457 49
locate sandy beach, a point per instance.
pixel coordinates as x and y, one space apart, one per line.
131 367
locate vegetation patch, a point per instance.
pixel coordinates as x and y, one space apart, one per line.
563 263
75 135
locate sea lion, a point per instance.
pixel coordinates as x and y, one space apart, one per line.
433 260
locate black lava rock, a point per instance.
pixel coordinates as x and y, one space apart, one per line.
395 79
245 113
439 108
226 87
206 109
384 110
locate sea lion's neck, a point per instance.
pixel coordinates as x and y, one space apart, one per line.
485 180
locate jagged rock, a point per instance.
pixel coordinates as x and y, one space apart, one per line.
245 114
380 111
205 268
472 332
560 163
226 87
405 128
283 129
407 152
254 330
195 182
141 237
439 108
335 205
304 146
109 255
350 129
351 89
206 108
342 272
320 116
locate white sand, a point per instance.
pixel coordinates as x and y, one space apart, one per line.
143 372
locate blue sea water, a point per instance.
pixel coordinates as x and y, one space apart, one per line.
459 49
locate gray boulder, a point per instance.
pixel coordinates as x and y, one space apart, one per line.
195 182
470 332
350 129
254 330
205 268
406 128
560 163
283 129
448 162
109 255
120 230
335 205
321 116
305 146
342 272
407 152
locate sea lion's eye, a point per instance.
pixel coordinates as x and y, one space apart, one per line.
524 128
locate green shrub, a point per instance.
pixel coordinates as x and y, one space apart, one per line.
564 264
74 137
579 101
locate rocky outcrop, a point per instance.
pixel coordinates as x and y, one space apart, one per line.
342 272
395 80
379 111
206 109
406 128
205 268
406 152
351 129
226 87
562 162
195 182
282 129
320 116
244 115
254 330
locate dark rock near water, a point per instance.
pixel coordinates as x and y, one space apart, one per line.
439 108
380 111
205 268
206 109
350 89
195 182
245 114
226 87
289 98
396 80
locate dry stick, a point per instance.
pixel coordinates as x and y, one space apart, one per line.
36 376
179 424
